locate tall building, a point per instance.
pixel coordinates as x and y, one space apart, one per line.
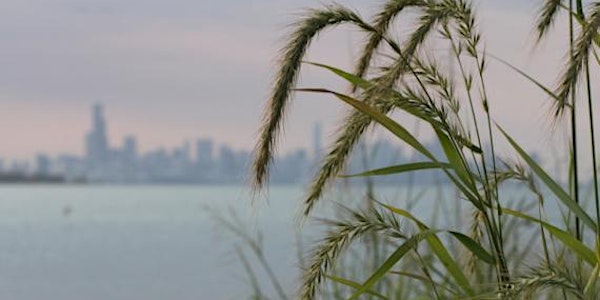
182 154
204 152
227 164
317 143
42 164
96 144
130 148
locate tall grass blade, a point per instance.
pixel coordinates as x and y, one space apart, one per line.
438 248
399 132
389 263
554 187
566 238
591 286
455 159
351 78
574 140
424 280
418 166
473 246
527 76
355 285
382 119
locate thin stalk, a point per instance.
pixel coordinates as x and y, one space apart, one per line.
370 197
272 277
485 173
465 82
490 224
497 237
506 274
428 274
502 268
592 135
495 233
543 233
251 275
574 125
579 8
593 145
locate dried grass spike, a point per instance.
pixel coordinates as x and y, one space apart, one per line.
546 17
583 45
381 22
291 59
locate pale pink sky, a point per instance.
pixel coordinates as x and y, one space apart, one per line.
174 70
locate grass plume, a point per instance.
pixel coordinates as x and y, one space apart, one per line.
546 17
340 236
291 59
381 23
356 123
582 47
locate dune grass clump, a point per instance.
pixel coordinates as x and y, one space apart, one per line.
484 259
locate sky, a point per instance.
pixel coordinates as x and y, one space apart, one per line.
169 71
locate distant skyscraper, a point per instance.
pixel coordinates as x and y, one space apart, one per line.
317 143
204 152
130 147
42 164
96 142
182 153
227 163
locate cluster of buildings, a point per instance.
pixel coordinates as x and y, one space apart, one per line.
200 161
197 162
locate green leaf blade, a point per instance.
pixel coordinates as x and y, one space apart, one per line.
552 185
381 118
351 78
565 237
398 169
389 263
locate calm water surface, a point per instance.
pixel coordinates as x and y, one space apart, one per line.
133 242
147 242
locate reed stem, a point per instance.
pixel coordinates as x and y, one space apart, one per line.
574 124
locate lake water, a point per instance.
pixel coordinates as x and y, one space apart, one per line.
132 242
145 242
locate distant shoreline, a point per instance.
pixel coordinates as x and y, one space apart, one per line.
68 183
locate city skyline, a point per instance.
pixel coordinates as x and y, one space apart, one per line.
201 160
116 130
106 139
198 68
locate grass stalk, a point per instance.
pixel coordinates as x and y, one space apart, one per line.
593 147
574 125
467 31
489 224
588 84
